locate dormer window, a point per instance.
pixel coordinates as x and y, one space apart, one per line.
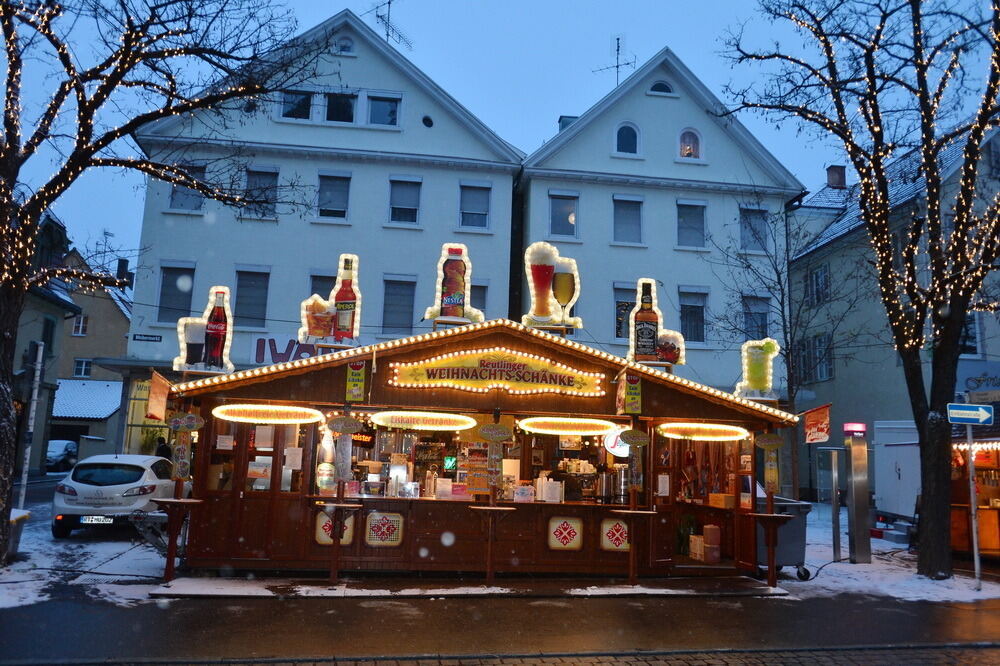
661 88
627 140
296 104
690 145
344 45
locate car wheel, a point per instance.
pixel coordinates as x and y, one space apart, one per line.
61 531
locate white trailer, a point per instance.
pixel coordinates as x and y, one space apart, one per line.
897 468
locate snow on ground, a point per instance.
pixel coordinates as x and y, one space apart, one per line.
892 572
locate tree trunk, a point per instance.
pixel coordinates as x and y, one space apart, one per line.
11 304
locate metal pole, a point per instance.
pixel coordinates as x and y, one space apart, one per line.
835 503
973 506
29 431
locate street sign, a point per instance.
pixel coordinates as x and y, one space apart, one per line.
984 396
970 414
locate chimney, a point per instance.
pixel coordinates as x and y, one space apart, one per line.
566 121
836 176
122 272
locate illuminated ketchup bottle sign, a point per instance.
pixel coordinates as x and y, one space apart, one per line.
215 333
453 284
345 303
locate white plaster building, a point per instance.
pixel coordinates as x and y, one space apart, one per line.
644 184
394 166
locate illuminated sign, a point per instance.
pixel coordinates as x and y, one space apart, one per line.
648 341
204 341
278 414
554 283
704 432
560 425
453 295
758 362
482 370
337 318
615 445
423 420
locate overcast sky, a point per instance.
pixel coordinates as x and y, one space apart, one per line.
518 65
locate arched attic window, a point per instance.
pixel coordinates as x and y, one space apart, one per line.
661 87
627 139
690 147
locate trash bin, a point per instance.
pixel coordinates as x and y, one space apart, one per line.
791 549
18 517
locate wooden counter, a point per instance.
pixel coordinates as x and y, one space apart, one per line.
989 529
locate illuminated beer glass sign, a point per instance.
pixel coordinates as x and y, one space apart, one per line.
554 283
453 296
204 341
337 318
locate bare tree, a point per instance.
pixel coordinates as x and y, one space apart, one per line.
80 78
883 77
802 308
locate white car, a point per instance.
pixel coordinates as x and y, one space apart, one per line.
105 489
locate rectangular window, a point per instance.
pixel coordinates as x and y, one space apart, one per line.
753 229
49 336
262 190
296 104
183 198
81 367
690 225
818 285
404 201
80 325
628 221
397 307
383 111
479 296
693 315
251 298
321 284
333 196
175 294
815 359
968 343
624 302
755 317
340 107
562 215
475 206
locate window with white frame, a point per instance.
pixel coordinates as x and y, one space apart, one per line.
627 220
624 302
321 284
80 325
340 107
334 193
627 139
690 224
661 88
690 147
81 367
184 198
262 192
815 358
175 293
251 298
562 214
383 110
968 343
818 285
693 304
756 310
474 202
404 201
397 306
753 229
344 45
296 104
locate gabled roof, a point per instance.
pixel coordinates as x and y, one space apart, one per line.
830 197
86 399
504 150
906 183
692 84
122 297
269 373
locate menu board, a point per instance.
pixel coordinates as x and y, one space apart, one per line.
477 463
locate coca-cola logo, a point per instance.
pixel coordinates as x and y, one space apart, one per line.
215 327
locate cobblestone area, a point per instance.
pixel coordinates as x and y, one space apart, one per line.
966 655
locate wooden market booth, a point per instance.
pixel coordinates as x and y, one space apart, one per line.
265 485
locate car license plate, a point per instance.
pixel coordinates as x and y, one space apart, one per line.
97 520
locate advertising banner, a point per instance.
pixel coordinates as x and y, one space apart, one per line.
817 424
355 381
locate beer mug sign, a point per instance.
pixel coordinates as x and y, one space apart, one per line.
554 283
205 341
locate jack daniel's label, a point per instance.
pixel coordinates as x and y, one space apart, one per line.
645 338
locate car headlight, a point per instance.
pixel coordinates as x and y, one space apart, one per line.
139 490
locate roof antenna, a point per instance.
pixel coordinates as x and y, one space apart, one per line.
623 58
392 33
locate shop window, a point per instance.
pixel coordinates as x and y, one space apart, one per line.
397 307
81 367
475 206
479 296
693 315
755 317
184 198
562 220
624 302
262 190
175 294
690 225
251 299
333 196
627 139
80 325
383 110
340 107
627 220
753 229
296 104
404 201
321 284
